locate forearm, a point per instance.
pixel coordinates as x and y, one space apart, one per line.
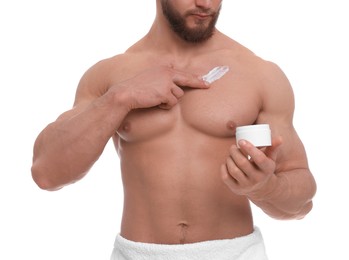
66 149
288 196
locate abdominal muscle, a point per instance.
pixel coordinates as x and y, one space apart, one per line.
173 191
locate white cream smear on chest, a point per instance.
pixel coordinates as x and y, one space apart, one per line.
215 74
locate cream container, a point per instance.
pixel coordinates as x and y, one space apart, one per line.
258 135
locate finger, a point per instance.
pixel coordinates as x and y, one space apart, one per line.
164 106
177 92
233 162
258 157
227 178
235 172
189 80
170 102
232 184
241 159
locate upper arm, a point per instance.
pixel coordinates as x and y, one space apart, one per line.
93 84
278 110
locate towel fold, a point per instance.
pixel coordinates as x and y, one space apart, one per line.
250 247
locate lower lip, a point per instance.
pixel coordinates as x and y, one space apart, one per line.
201 17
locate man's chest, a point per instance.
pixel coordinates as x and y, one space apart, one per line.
229 102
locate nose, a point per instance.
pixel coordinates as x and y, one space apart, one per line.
204 3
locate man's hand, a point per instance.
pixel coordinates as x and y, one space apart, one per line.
161 87
250 171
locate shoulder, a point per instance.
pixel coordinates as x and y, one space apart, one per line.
246 57
103 68
98 78
269 80
276 89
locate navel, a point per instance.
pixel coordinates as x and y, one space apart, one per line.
183 232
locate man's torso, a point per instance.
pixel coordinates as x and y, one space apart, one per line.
171 159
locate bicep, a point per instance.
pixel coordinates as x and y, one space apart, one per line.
278 110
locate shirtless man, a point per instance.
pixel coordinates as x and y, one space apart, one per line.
185 180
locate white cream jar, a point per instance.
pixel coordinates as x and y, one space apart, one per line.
258 135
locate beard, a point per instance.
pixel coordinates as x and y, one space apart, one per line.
202 31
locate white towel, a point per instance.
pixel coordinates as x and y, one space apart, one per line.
250 247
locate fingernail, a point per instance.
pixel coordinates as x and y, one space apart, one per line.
207 84
242 142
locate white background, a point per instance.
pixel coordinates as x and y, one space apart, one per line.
45 48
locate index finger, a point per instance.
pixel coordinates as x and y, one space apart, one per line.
189 80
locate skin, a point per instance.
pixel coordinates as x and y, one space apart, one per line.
185 180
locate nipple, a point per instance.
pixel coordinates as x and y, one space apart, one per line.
126 127
231 125
215 74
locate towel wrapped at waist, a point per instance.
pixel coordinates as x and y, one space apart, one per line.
250 247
